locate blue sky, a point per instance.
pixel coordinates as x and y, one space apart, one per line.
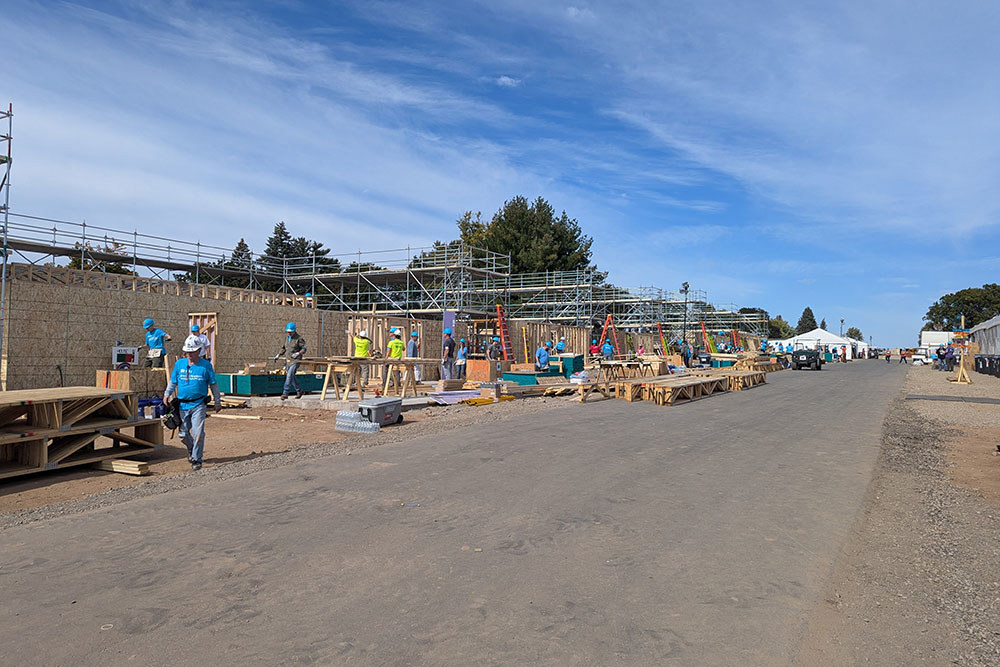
844 156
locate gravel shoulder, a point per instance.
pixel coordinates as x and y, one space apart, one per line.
918 582
281 443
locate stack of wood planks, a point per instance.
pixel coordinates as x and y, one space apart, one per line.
44 429
449 385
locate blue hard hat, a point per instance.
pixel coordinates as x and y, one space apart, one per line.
195 328
447 330
148 322
496 338
593 342
548 343
414 334
461 340
290 326
308 294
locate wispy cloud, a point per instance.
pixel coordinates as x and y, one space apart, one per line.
508 82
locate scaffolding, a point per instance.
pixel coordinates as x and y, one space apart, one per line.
409 282
6 159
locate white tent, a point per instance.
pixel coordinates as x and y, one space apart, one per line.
819 338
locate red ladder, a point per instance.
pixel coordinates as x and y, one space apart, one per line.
609 324
508 347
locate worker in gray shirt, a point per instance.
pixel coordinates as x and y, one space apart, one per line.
413 351
294 348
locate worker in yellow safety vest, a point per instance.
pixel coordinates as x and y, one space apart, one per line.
394 350
363 348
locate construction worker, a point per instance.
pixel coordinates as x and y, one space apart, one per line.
542 356
608 350
294 348
595 349
363 348
494 352
156 342
447 356
461 356
413 351
394 350
193 377
202 340
561 345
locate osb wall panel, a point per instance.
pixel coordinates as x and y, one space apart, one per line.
73 328
577 338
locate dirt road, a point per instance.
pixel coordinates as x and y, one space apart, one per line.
595 534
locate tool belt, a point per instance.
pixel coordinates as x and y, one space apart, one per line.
154 353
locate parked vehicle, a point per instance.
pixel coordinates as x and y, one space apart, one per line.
806 358
921 357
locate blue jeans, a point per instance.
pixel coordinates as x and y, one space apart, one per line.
448 369
192 431
291 384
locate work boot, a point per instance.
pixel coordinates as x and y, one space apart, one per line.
196 465
299 393
284 397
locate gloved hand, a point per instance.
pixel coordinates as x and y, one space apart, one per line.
296 355
276 357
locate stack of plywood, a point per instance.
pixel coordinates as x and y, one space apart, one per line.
144 382
44 429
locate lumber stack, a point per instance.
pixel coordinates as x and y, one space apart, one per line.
668 392
44 429
450 385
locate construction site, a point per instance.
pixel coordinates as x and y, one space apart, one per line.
603 475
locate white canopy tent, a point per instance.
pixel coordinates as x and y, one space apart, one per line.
818 339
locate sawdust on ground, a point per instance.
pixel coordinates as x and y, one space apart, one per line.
226 440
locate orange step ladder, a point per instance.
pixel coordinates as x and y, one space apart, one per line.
610 324
508 347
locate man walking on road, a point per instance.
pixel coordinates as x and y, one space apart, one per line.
193 378
448 356
294 349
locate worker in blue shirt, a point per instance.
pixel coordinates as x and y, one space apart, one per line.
193 377
608 350
462 357
542 357
561 345
156 342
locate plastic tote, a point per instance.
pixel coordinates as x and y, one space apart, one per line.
382 410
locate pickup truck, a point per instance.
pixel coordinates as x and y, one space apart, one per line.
803 358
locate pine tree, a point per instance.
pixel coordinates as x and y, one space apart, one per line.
822 324
807 322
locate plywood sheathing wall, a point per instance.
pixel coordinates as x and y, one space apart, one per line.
75 327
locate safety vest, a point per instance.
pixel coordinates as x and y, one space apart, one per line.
362 347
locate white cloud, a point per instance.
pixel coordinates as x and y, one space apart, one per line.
508 82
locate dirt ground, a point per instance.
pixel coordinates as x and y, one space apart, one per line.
973 428
918 582
234 448
226 440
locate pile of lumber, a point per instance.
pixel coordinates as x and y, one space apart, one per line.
45 429
449 385
738 379
667 392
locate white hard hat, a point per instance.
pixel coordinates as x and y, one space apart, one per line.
562 337
191 346
364 333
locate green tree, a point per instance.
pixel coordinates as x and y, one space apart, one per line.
855 333
88 262
978 304
822 323
807 322
779 329
535 238
291 256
